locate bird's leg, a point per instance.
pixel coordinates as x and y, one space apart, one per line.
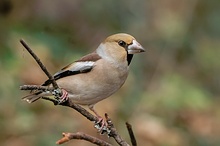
60 95
101 124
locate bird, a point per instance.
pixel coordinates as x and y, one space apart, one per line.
95 76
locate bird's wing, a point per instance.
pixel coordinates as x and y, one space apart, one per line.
83 65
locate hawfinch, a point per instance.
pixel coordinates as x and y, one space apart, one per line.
95 76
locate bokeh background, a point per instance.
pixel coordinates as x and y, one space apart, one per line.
171 96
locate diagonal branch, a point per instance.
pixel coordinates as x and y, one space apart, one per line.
76 107
39 63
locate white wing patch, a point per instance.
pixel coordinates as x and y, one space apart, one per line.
81 66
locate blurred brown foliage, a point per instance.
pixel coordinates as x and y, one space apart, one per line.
171 96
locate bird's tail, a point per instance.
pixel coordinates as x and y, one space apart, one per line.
34 96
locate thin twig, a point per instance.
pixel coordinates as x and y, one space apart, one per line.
36 87
131 134
39 63
82 136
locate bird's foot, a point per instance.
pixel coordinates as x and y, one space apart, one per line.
102 126
60 95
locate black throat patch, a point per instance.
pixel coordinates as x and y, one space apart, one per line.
129 58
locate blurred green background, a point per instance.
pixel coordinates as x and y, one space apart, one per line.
171 96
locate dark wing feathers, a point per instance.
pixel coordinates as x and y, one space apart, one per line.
63 74
83 65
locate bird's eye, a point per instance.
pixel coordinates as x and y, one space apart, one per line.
122 43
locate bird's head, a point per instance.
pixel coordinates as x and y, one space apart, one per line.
119 47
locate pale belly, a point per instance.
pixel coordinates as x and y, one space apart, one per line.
84 90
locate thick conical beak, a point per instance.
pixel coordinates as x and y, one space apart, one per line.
135 47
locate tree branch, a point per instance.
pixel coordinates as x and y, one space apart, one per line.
39 63
131 134
82 136
36 87
114 133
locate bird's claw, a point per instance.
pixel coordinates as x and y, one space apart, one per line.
60 95
102 126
